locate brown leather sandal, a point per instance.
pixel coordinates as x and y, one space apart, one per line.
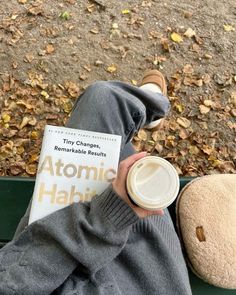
155 77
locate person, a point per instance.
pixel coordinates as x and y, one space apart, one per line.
109 245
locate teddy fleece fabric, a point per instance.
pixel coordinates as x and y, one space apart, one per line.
207 222
101 247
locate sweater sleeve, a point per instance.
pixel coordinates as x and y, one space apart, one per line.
48 250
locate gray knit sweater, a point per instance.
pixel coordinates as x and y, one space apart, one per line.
100 247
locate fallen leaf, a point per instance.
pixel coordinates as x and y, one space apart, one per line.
158 148
208 103
24 122
6 118
196 48
208 56
50 49
35 10
29 57
165 44
34 135
16 169
112 68
65 15
94 31
179 107
134 82
91 8
183 122
183 133
31 169
233 112
158 135
207 149
189 33
125 11
115 26
176 37
193 150
188 69
204 109
83 77
45 94
142 134
206 79
229 28
233 98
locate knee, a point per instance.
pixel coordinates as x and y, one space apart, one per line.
99 87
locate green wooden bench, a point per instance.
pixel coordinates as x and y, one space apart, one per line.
15 193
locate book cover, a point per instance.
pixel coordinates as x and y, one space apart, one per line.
74 166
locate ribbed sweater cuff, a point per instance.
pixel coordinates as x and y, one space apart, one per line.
117 211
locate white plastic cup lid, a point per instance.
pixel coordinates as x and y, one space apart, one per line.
152 183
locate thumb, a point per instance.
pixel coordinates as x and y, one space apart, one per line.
127 163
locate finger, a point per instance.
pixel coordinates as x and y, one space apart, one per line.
132 159
127 163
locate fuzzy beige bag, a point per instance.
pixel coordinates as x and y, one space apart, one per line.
206 219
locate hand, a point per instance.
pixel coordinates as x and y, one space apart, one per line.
119 185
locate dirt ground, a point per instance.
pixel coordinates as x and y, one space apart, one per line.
50 51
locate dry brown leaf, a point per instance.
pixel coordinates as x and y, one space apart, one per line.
204 109
72 89
34 135
165 44
188 69
29 57
207 149
158 135
183 122
196 48
94 31
142 134
50 48
206 79
31 169
190 33
24 122
193 150
16 169
159 148
183 133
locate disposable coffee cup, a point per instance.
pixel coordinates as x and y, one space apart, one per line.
152 183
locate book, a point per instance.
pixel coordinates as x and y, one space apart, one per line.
74 165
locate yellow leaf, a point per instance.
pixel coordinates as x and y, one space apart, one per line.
134 82
179 107
176 37
6 118
229 28
45 94
125 11
112 68
34 135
